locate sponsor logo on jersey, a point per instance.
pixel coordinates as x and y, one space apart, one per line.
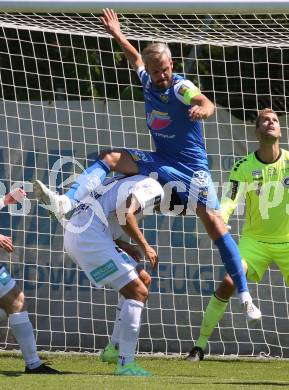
158 120
256 173
285 182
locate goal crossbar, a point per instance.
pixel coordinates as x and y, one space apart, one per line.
149 6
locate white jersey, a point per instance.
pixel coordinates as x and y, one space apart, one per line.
89 239
109 201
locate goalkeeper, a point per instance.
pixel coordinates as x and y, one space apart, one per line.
174 108
263 177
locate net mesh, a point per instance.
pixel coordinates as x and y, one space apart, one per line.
67 92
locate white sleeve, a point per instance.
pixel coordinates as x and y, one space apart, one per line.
185 90
2 204
141 72
148 192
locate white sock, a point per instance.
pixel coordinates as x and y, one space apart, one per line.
129 330
3 315
245 296
117 322
21 328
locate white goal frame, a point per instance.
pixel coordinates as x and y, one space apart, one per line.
188 275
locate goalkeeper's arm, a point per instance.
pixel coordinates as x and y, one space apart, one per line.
230 201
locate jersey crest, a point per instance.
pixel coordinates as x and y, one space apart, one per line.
164 97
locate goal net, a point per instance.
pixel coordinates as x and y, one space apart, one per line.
66 93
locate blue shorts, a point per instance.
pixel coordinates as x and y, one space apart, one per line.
192 182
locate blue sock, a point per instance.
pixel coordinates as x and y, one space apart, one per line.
88 181
231 258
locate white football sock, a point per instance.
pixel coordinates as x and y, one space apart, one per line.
21 328
245 296
117 322
129 329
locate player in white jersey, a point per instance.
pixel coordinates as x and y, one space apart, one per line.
90 241
13 306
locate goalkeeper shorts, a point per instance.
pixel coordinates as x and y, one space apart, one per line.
6 281
258 257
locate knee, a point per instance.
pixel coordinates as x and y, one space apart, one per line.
18 304
110 157
226 288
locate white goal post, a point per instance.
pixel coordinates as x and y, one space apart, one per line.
67 92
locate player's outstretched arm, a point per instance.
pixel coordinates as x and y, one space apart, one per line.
112 26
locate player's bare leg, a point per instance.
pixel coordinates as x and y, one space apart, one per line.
13 303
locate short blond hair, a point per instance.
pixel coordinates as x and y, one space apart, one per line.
262 113
154 52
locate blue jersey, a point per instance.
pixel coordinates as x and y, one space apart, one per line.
176 137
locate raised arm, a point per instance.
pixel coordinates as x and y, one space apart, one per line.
112 26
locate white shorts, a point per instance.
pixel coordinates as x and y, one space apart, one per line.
96 253
6 281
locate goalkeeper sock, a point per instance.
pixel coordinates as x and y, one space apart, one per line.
117 322
231 258
22 330
129 331
88 181
214 312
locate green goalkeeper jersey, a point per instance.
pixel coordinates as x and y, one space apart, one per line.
266 191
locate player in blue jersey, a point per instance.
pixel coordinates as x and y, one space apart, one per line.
174 107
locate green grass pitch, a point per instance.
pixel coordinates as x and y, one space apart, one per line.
87 372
